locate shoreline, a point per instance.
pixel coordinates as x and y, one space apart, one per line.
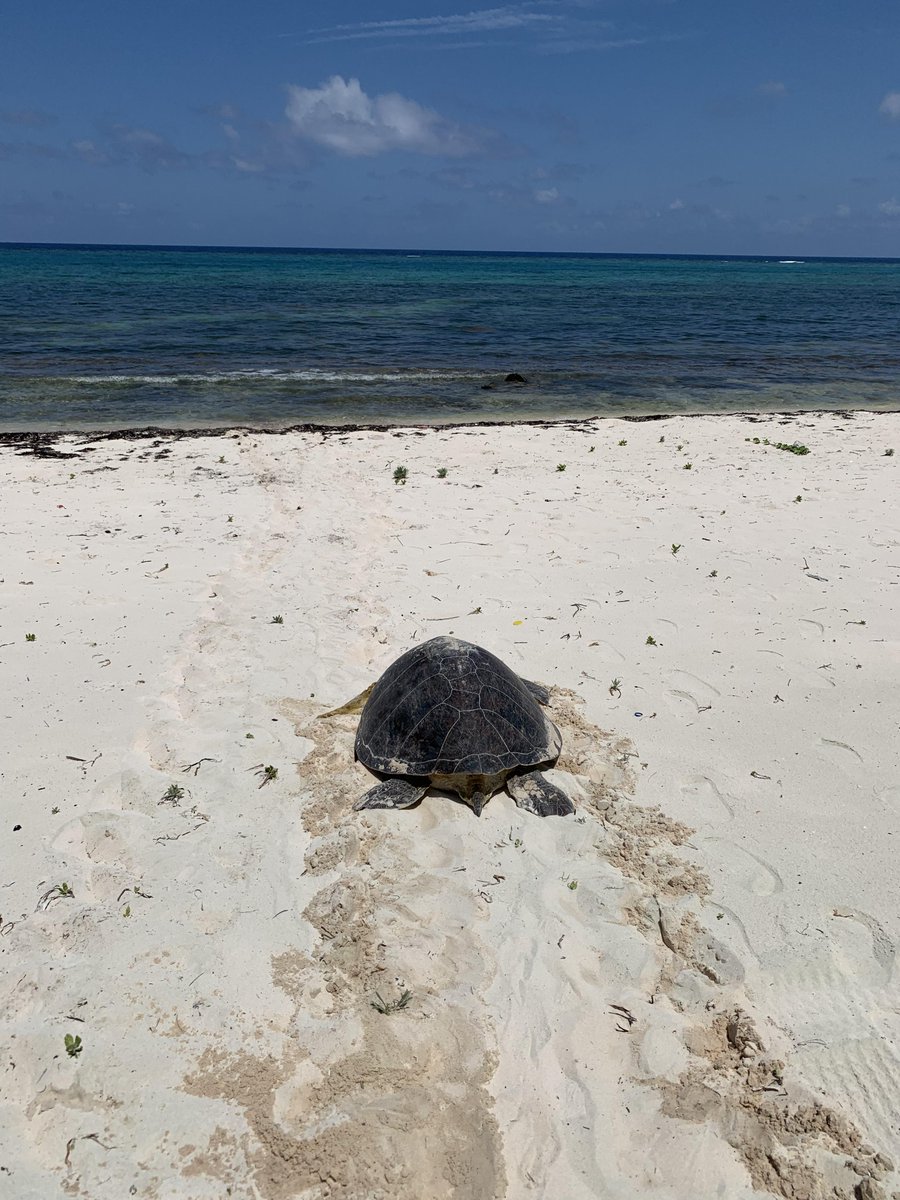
41 437
689 988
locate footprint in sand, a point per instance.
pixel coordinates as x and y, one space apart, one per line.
689 692
841 754
863 951
811 629
704 803
608 652
744 868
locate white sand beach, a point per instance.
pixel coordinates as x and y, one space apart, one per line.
687 990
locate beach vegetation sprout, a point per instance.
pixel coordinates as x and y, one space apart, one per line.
687 466
386 1007
30 637
651 640
572 885
676 546
73 1045
798 499
889 453
623 442
442 472
400 474
278 620
681 447
560 466
230 519
713 574
63 889
266 774
173 793
126 912
614 687
792 447
55 809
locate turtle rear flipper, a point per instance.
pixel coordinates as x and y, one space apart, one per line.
536 794
393 793
540 693
356 705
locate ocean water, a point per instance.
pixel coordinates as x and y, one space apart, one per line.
112 337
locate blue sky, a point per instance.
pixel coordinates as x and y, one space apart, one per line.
690 126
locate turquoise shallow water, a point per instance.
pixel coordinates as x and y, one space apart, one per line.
109 337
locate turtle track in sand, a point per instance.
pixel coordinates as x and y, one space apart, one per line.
421 1101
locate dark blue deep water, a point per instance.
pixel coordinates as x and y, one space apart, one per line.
108 337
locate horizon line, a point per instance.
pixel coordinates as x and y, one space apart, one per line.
202 247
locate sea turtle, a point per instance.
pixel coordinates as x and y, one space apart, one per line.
450 715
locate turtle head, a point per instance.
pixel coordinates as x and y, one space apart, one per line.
477 801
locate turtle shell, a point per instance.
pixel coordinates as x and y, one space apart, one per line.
448 707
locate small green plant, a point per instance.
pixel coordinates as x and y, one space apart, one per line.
623 442
651 640
248 735
278 620
63 889
221 458
889 453
127 911
230 519
681 447
517 843
560 466
400 474
266 774
686 467
442 472
172 794
73 1045
713 574
30 637
386 1007
591 449
572 885
798 499
55 809
676 546
663 438
614 687
792 447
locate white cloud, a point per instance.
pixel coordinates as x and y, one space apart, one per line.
89 151
842 210
342 117
676 205
890 208
772 87
890 106
546 195
484 20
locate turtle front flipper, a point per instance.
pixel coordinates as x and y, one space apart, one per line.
536 794
393 793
